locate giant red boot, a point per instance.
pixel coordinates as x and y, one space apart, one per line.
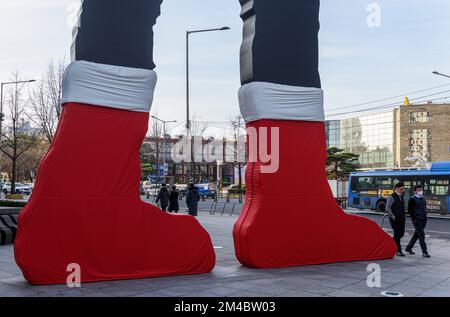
86 208
290 217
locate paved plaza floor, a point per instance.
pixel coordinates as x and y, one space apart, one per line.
410 276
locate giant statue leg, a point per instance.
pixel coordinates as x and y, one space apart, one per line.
290 217
86 207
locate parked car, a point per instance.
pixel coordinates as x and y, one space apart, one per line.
20 189
207 190
236 190
31 185
146 185
152 190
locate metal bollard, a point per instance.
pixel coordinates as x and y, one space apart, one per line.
212 211
232 210
383 219
223 210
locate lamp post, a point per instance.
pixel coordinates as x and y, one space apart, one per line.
188 120
164 122
440 74
188 33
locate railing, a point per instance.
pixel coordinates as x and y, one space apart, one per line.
222 207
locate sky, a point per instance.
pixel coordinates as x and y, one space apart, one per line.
358 62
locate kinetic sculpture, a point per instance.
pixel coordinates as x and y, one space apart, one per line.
100 223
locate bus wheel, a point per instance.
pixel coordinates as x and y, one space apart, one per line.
381 206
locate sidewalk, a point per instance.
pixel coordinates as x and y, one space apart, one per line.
411 276
371 212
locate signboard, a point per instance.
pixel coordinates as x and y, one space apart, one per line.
436 204
161 170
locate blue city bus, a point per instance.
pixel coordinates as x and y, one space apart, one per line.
370 190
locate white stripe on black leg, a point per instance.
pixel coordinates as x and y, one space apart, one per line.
109 86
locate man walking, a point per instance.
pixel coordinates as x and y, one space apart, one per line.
163 197
192 199
395 208
173 200
417 209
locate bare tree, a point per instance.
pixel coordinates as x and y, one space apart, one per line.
156 143
28 163
46 100
197 130
238 126
18 136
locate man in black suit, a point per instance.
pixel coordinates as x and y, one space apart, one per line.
395 208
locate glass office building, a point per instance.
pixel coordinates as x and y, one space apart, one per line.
371 136
333 130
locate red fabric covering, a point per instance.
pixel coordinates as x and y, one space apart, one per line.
291 218
86 208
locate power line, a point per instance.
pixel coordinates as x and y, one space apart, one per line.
389 98
390 105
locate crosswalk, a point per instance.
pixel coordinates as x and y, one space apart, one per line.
8 229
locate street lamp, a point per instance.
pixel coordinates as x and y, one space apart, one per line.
164 141
188 121
225 28
1 98
440 74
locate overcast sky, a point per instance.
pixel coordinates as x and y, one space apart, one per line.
358 63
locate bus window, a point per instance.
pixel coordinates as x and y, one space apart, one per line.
354 184
365 183
384 182
438 187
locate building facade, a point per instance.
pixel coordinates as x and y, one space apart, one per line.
398 138
424 133
160 152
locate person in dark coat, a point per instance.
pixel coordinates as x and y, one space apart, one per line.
163 197
192 199
417 209
173 200
395 208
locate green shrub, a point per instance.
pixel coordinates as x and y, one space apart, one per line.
9 203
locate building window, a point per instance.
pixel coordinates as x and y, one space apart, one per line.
420 143
419 117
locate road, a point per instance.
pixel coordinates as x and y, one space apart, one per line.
436 227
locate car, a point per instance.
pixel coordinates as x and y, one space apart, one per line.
146 185
206 191
152 190
235 189
31 185
20 189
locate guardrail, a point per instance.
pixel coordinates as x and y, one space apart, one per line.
222 207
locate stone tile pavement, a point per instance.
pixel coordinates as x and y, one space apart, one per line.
411 276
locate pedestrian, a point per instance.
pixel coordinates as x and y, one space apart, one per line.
395 208
192 199
173 200
163 197
417 209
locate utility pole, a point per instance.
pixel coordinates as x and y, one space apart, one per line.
188 120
